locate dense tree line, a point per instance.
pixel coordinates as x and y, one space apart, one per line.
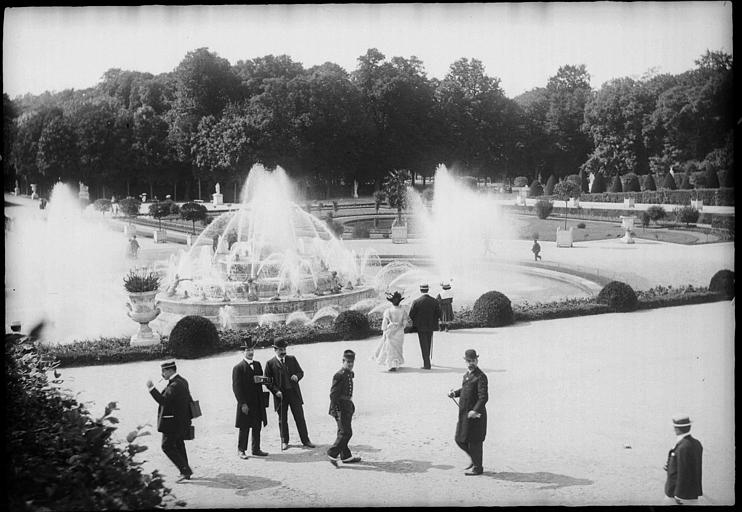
209 121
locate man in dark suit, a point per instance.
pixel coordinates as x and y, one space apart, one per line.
471 427
425 313
174 417
247 385
342 409
285 373
683 465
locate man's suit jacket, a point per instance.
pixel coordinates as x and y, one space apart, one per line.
474 393
246 391
174 412
281 377
425 313
684 469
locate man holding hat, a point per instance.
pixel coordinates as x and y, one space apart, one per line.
683 465
173 417
342 409
285 373
425 313
471 427
247 385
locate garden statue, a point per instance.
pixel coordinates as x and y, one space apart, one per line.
252 294
217 188
17 189
83 194
355 189
335 286
217 197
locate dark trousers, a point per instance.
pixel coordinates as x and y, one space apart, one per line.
474 450
290 400
244 433
426 341
174 447
345 432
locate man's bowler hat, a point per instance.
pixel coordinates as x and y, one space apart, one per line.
248 343
471 354
681 420
279 343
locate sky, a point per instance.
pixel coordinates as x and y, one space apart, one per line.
522 44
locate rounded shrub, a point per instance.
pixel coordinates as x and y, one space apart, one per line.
520 181
576 179
493 309
723 282
632 183
535 189
580 225
102 205
656 212
598 186
543 208
192 337
686 215
618 296
351 322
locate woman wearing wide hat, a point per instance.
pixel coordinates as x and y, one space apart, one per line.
445 299
389 350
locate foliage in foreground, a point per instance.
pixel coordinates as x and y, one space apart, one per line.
59 457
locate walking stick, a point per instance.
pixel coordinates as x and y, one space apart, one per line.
454 400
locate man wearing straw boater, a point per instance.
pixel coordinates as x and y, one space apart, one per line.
247 385
471 427
173 416
425 313
285 373
683 466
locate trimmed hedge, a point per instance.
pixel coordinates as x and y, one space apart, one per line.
710 196
351 323
493 309
618 296
192 337
58 456
723 282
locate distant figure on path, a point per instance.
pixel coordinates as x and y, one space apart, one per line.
247 385
174 417
133 247
683 466
445 299
285 373
342 409
471 427
425 313
389 350
536 249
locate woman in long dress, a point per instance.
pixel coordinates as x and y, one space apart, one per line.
445 299
389 350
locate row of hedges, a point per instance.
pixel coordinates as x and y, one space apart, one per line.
196 336
709 196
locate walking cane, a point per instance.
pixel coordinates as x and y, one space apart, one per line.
454 400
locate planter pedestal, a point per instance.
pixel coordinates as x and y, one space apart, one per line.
697 204
142 308
564 237
399 233
160 236
627 222
628 202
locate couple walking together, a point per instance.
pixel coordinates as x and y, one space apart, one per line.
425 313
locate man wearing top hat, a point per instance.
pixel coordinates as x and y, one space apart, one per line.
285 373
247 385
683 465
342 409
471 427
173 416
425 313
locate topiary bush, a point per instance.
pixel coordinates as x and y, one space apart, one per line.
543 208
712 178
723 282
616 185
632 183
59 457
549 189
493 309
656 213
192 337
618 296
350 322
520 181
584 181
598 186
669 182
102 205
535 189
576 179
649 183
686 214
685 182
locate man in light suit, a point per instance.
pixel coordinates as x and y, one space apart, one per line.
173 417
425 313
247 385
683 466
285 373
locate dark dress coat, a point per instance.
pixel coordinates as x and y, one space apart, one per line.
473 394
247 392
425 313
174 412
341 392
281 377
684 469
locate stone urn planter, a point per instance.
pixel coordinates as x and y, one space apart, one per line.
142 308
399 232
627 222
564 237
160 236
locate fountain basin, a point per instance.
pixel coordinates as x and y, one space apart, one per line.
245 313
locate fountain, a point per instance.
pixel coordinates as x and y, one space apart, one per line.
267 259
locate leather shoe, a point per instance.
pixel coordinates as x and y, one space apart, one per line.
242 455
474 472
469 466
425 367
333 460
309 444
260 453
284 446
182 478
351 460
